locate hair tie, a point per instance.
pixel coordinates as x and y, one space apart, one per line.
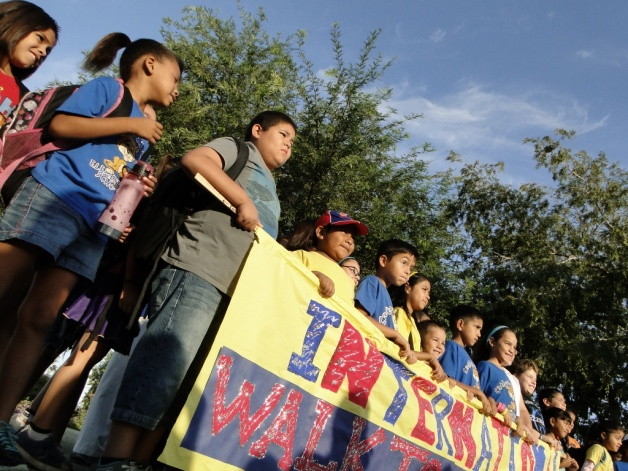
492 332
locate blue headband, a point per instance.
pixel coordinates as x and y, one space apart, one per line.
492 332
345 259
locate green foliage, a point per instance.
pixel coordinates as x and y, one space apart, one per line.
232 73
549 262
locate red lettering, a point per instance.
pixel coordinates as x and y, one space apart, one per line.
527 456
420 431
240 406
287 418
357 448
306 461
502 431
460 421
409 451
431 465
361 369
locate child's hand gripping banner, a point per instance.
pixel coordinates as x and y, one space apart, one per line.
296 381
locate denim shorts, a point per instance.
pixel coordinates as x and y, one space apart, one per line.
181 310
39 217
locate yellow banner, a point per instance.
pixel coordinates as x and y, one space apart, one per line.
296 381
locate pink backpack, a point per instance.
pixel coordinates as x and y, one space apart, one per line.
24 138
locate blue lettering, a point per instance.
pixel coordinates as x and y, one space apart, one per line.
322 318
401 396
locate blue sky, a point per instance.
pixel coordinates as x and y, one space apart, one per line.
485 75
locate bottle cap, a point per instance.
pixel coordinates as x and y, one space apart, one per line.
142 168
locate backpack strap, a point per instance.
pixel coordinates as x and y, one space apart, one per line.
163 196
122 107
243 157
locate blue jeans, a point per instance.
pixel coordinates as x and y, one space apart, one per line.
39 217
181 310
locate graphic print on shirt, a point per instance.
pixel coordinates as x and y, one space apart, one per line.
112 170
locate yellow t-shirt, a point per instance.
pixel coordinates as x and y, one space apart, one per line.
600 457
343 283
407 327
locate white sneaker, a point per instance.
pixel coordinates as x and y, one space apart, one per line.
19 420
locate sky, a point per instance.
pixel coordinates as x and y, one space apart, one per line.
485 75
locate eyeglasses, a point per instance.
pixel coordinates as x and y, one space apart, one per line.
354 270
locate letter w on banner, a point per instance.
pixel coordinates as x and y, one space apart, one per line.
295 381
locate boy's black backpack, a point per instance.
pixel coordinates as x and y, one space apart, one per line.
24 138
176 197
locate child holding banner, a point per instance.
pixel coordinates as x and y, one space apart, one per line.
192 286
466 325
333 234
394 262
411 297
498 352
557 423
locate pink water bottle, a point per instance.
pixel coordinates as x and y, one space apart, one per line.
115 219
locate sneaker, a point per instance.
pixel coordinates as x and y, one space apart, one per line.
124 465
20 420
45 455
10 458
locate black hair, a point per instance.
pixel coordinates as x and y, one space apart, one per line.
462 311
547 393
483 351
425 326
267 119
398 294
554 413
106 48
604 426
392 247
303 237
18 19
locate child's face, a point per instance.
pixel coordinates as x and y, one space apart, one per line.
418 295
504 350
31 50
396 270
527 380
434 341
560 427
352 267
166 76
557 401
573 420
335 241
470 330
612 441
274 144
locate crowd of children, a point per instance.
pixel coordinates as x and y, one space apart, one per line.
49 244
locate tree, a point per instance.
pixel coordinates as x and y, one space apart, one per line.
347 158
232 73
548 262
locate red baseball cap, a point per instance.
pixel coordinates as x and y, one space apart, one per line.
337 218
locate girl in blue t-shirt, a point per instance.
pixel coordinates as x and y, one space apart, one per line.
51 222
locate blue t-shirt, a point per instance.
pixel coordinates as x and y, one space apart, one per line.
458 365
87 176
374 298
495 383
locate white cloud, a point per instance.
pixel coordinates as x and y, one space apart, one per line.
490 126
584 53
438 36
